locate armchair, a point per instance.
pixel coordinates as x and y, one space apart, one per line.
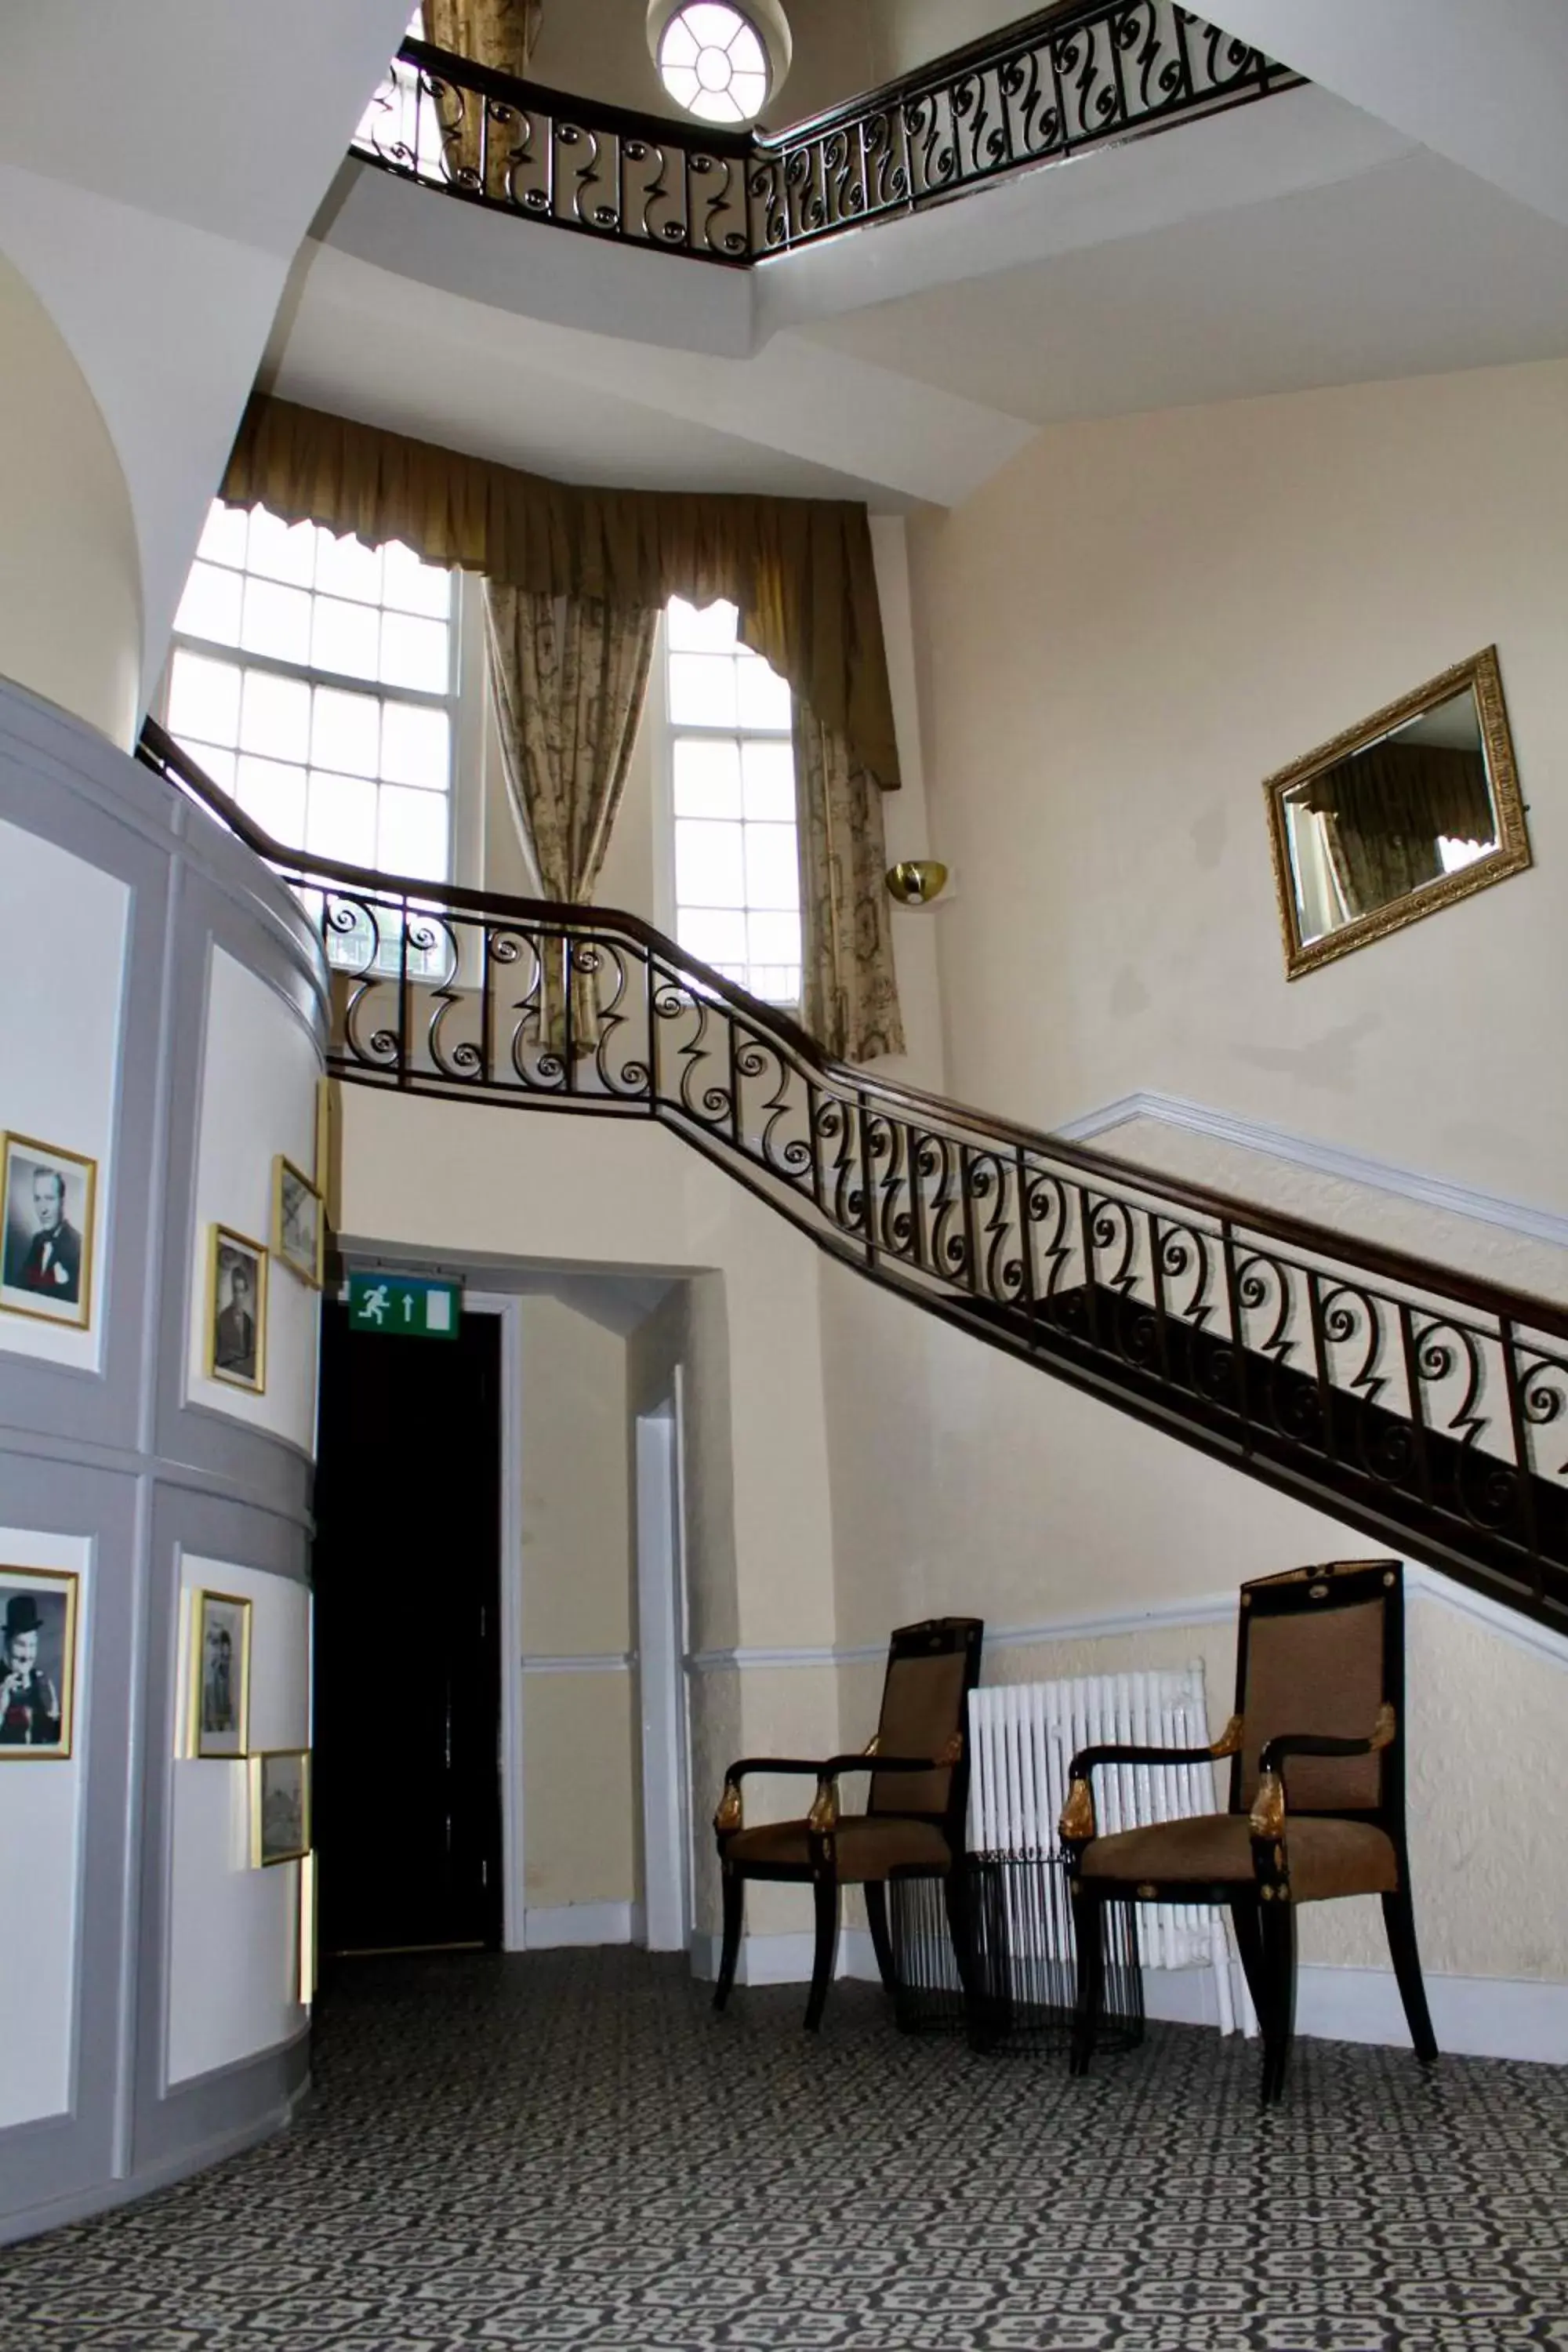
1317 1801
918 1761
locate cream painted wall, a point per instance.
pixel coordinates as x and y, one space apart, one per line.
966 1481
566 1191
70 587
1122 634
579 1776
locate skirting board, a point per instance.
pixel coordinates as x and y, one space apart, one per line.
581 1922
784 1960
1473 2017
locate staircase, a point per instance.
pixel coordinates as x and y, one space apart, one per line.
1427 1409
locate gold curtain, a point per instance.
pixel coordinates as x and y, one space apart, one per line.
1385 809
497 33
849 995
799 570
569 674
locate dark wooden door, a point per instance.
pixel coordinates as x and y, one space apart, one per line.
408 1669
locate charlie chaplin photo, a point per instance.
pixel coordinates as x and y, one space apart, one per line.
38 1662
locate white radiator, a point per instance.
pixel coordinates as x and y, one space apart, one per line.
1021 1737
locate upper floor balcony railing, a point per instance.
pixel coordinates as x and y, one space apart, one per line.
1075 75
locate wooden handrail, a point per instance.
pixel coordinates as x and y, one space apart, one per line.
1247 1220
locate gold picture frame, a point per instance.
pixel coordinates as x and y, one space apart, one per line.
47 1272
301 1250
218 1695
232 1355
1510 852
305 1988
280 1806
38 1663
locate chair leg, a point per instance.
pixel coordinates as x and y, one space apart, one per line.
881 1943
1399 1920
955 1898
825 1893
1277 2012
1249 1950
734 1912
1089 1937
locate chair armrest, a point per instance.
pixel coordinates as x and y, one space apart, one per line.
1077 1823
824 1813
1268 1805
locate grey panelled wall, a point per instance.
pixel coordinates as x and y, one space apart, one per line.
132 1463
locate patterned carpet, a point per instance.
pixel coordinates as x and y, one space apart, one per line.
569 2150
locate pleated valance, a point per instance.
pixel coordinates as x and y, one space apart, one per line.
799 570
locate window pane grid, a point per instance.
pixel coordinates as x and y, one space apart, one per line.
737 891
313 679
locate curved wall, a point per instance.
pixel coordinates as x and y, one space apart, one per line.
70 588
164 1020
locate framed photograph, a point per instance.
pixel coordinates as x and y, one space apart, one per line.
219 1667
297 1224
38 1663
45 1260
280 1806
237 1311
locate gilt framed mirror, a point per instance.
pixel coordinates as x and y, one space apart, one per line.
1397 818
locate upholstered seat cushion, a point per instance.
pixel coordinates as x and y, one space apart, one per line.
1325 1857
867 1846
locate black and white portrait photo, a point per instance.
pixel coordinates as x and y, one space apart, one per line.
236 1335
38 1662
220 1674
47 1263
296 1222
281 1806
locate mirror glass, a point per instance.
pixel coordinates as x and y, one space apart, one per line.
1391 818
1417 806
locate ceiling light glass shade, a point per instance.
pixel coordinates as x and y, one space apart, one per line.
713 62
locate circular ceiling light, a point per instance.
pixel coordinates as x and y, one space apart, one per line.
713 62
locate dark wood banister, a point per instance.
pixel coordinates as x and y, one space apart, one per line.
161 752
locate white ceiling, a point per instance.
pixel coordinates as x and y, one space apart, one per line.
1411 267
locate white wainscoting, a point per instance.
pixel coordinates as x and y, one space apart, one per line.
40 1838
550 1926
60 1059
234 1929
259 1066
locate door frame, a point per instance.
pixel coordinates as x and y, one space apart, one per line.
508 1309
659 1439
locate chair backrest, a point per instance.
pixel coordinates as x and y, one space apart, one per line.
1320 1650
932 1669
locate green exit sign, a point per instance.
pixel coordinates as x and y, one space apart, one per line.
406 1305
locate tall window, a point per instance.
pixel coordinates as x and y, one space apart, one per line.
315 679
737 885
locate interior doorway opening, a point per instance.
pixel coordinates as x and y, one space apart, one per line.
408 1651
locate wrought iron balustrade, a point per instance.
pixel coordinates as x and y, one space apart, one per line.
1427 1407
1064 80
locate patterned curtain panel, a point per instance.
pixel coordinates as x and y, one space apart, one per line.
569 674
849 996
499 33
799 570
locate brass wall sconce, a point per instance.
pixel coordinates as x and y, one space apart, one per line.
916 881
